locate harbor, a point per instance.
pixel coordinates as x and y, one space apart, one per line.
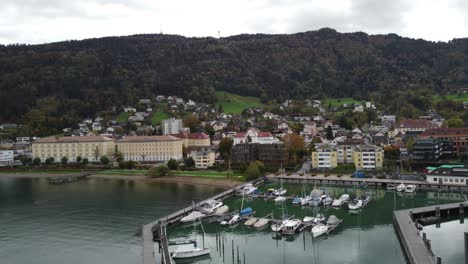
220 239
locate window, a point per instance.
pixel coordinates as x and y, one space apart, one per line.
456 180
445 179
435 179
462 180
451 179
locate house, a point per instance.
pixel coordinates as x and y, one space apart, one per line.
414 125
465 105
171 126
310 128
218 125
325 157
150 148
145 101
136 118
283 125
9 126
273 156
358 108
254 136
388 119
203 158
160 98
193 139
129 109
149 109
180 101
6 157
456 175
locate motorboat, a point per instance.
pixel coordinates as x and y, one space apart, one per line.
319 218
308 219
222 210
277 226
281 191
209 206
319 230
189 251
401 188
391 187
365 199
316 193
410 188
246 212
248 189
280 199
194 215
261 223
344 198
234 220
337 203
355 204
224 219
340 201
291 226
316 201
327 201
333 221
251 221
306 200
297 200
270 191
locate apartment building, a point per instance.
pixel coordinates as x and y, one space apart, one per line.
325 157
367 157
194 139
273 156
364 157
6 157
457 135
150 148
203 158
90 147
171 126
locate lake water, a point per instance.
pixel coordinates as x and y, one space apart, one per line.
365 237
89 221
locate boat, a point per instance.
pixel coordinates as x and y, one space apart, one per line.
340 201
261 223
209 206
308 220
333 221
306 200
222 210
319 218
270 191
410 188
291 226
280 192
337 203
251 221
280 199
355 204
365 200
344 198
234 220
319 230
224 219
401 188
189 251
327 201
297 200
316 193
316 201
194 215
248 189
277 225
246 212
391 187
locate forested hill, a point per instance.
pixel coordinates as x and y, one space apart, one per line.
91 75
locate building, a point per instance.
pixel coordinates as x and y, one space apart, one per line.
457 135
203 158
90 147
449 175
414 125
310 128
150 148
6 157
368 157
194 139
427 149
273 156
171 126
325 157
254 136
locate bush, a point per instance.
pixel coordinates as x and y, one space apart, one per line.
79 159
172 164
37 161
127 165
189 162
85 161
159 171
104 160
26 160
49 161
64 160
253 171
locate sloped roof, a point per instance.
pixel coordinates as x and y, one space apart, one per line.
452 131
148 138
73 139
415 123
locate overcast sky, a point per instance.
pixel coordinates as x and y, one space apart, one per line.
39 21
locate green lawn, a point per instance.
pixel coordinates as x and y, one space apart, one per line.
214 174
158 116
456 97
122 117
235 104
337 102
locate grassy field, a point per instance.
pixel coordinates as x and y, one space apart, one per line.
337 102
122 117
234 104
158 116
211 174
456 97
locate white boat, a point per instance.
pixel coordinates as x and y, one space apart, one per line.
355 204
189 251
234 220
280 192
333 221
344 198
297 200
391 187
365 200
248 189
251 221
209 206
222 210
306 200
319 218
280 199
194 215
316 193
277 226
308 220
262 222
291 226
337 203
319 230
410 188
401 187
327 201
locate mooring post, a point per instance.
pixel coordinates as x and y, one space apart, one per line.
462 209
466 247
437 211
238 258
232 251
424 236
439 260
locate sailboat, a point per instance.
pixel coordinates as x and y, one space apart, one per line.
277 225
281 191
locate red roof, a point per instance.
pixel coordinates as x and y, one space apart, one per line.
240 134
415 123
452 131
264 134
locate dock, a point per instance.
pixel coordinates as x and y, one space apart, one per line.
69 178
417 248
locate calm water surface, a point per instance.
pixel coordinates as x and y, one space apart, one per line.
365 237
89 221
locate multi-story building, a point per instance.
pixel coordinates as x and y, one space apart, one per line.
325 157
414 126
457 135
368 157
171 126
90 147
428 149
6 157
449 175
273 156
150 148
194 139
254 136
203 158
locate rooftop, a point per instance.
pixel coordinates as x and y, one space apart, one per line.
148 138
73 139
452 131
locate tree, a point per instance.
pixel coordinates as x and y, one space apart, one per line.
329 132
85 161
104 160
64 160
220 108
225 148
97 153
253 171
391 152
172 164
260 166
49 161
294 143
209 129
189 162
129 165
26 160
158 171
409 144
79 159
455 122
37 161
191 121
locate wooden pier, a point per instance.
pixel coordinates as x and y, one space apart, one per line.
416 248
69 178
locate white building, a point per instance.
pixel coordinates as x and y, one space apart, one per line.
203 158
6 157
171 126
254 136
449 175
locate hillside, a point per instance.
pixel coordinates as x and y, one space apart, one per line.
56 83
235 104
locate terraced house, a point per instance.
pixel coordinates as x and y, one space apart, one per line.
90 147
150 148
